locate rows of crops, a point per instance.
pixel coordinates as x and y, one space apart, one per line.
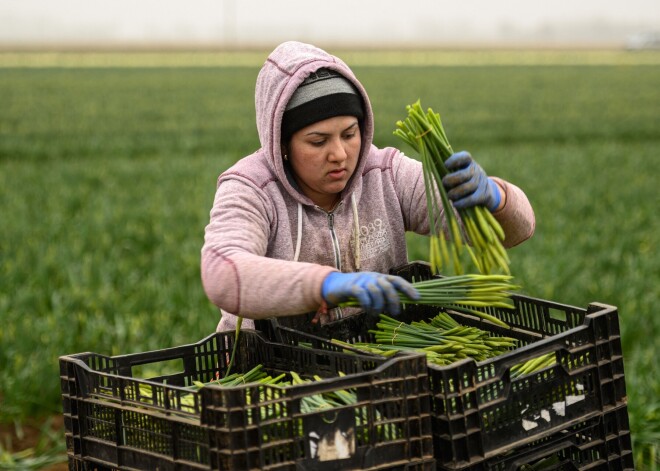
107 176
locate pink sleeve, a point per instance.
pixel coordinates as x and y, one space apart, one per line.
236 275
517 216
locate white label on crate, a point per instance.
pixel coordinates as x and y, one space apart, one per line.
339 446
545 414
570 400
529 425
314 439
559 408
579 387
332 436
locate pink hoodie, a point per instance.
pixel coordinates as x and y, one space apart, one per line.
267 246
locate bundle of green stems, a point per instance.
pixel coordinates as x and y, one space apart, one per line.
463 292
482 237
533 365
444 341
258 377
255 375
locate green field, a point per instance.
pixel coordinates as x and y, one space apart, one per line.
107 176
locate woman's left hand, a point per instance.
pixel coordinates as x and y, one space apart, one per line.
468 185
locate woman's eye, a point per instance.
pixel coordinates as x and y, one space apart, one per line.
318 143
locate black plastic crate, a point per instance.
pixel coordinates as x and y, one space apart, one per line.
478 411
600 443
115 419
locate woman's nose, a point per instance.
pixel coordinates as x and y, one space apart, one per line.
337 151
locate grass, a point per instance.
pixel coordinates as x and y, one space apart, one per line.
107 176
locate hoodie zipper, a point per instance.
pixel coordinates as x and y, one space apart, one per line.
338 311
333 235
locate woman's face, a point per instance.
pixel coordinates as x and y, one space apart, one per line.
323 157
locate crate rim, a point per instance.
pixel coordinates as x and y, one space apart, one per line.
318 386
506 360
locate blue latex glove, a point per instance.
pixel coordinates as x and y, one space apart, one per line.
375 292
468 185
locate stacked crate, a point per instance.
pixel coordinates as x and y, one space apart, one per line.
115 419
483 419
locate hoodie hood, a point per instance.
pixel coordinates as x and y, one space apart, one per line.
284 70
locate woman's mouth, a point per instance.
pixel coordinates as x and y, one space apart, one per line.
337 174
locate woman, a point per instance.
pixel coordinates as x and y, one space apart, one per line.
318 214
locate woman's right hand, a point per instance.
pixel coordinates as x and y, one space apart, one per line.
375 292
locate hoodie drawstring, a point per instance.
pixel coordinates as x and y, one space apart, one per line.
299 236
356 233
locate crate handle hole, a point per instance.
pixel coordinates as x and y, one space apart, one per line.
557 315
158 369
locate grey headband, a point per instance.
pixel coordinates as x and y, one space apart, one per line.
322 95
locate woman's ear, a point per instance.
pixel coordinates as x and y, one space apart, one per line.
284 151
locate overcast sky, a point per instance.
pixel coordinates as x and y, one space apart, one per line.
340 22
